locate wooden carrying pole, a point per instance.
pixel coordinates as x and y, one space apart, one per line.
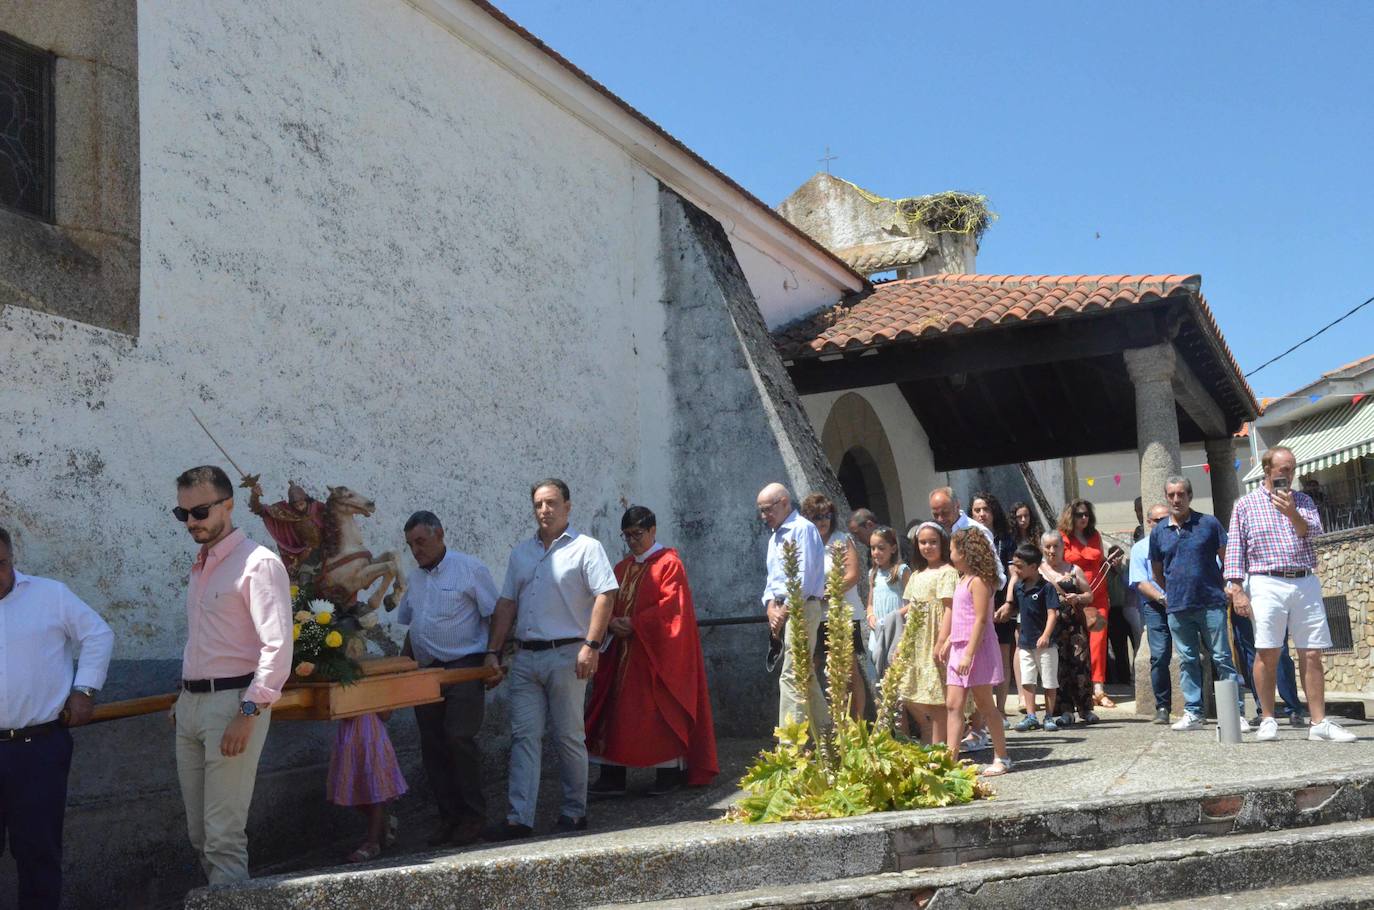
388 683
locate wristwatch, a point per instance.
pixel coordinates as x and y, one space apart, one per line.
249 709
86 691
594 645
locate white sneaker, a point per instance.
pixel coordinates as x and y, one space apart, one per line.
1331 732
1268 731
1189 721
1245 726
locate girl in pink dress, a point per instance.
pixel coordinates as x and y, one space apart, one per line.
970 650
364 774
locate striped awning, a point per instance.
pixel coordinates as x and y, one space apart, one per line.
1325 440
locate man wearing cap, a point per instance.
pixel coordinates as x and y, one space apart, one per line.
237 658
41 624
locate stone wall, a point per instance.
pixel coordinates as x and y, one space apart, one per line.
1346 564
83 264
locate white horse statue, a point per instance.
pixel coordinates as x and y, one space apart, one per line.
347 567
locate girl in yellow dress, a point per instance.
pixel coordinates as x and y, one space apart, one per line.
927 601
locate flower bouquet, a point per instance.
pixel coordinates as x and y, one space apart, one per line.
320 645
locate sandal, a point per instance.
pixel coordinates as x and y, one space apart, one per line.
998 767
1103 700
365 853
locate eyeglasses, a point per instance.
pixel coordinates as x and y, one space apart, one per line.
199 513
633 534
765 509
1080 514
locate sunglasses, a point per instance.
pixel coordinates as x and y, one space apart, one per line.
1080 514
199 513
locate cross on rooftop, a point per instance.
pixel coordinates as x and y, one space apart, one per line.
827 158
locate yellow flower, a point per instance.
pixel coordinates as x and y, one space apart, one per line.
305 668
295 592
304 616
296 632
333 639
324 619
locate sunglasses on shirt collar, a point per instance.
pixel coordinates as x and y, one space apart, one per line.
199 513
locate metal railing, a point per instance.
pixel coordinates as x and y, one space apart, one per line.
1344 504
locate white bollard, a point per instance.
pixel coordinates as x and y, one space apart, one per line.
1228 715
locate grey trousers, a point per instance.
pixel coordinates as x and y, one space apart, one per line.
545 690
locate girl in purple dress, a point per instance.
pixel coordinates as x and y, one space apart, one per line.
971 651
364 774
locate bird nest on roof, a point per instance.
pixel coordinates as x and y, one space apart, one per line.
950 212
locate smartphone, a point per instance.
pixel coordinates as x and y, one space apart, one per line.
1282 483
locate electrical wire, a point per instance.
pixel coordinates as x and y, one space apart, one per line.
1309 338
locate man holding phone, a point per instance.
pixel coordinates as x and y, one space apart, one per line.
1270 570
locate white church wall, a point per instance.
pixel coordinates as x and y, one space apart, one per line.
785 291
1115 506
494 260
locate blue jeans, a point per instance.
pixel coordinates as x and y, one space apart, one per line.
1156 622
1244 631
1193 631
544 688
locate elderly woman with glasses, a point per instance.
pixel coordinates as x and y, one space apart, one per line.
1083 548
820 511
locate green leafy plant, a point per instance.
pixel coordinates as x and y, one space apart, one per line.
855 767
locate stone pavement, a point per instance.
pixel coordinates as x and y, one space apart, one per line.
1124 754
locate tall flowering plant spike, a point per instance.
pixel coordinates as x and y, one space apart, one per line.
839 622
890 689
795 632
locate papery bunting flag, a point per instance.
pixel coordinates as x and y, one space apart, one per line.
1116 479
1092 480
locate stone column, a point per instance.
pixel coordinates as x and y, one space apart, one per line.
1221 467
1156 420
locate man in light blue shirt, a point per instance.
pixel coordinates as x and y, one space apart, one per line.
1154 614
775 508
448 601
557 597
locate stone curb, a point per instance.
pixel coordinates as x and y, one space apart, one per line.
690 860
1133 876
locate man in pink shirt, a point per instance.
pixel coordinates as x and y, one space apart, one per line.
238 656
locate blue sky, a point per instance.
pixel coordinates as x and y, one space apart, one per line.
1231 139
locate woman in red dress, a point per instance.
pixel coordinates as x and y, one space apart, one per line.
649 706
1083 548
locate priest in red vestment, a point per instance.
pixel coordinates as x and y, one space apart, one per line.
649 706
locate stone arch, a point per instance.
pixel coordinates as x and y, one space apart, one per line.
857 447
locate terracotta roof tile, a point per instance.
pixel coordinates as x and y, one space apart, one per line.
933 305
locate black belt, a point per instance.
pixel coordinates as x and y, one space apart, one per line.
547 645
1287 573
217 685
24 734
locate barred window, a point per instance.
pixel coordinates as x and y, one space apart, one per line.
26 128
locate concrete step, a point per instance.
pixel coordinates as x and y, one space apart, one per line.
673 862
1247 866
1340 894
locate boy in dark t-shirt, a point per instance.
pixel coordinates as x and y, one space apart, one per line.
1037 603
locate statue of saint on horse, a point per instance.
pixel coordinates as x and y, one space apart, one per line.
323 548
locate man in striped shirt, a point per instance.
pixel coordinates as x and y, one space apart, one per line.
1270 570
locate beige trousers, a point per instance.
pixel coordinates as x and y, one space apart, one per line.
217 790
789 708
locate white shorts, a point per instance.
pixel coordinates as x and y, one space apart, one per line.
1291 606
1041 664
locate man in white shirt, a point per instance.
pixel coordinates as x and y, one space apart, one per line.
944 509
557 595
786 524
448 602
42 624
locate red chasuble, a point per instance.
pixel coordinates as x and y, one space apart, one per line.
649 701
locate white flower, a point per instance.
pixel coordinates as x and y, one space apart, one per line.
321 606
